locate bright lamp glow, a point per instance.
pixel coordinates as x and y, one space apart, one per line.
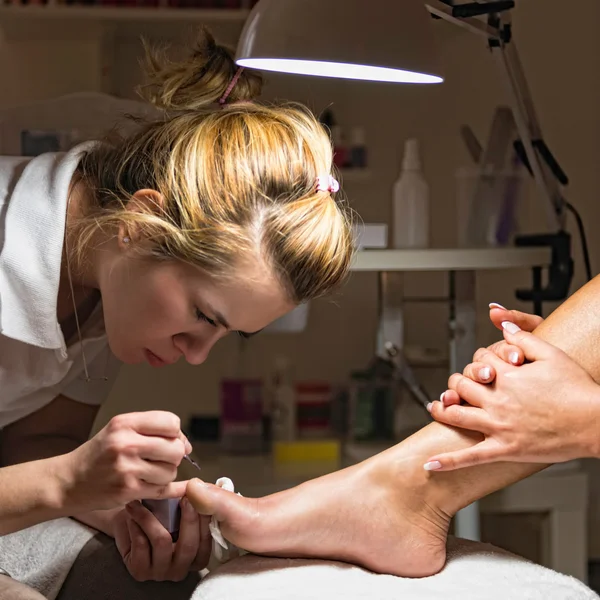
337 69
369 40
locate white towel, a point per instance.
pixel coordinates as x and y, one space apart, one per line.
42 556
474 571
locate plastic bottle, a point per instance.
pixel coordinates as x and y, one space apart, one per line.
410 209
283 423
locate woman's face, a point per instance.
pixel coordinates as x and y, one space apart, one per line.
158 312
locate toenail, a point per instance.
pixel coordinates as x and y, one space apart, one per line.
434 465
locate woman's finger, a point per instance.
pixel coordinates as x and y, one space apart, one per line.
525 321
122 538
533 347
480 372
187 545
205 548
509 353
449 397
140 556
463 417
470 391
168 450
160 542
157 473
480 454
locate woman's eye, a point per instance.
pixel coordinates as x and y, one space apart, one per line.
202 317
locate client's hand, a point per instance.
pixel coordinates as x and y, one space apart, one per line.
481 369
545 411
148 551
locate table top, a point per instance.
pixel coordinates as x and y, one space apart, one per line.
451 259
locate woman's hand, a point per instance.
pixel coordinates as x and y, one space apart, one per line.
546 411
148 551
484 372
134 457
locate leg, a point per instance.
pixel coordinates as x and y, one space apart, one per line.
463 343
388 514
13 590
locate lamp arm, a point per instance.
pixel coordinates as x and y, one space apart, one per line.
526 122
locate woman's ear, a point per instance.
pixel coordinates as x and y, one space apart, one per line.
143 201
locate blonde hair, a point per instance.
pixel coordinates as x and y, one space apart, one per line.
237 182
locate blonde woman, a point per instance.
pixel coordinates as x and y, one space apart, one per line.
218 218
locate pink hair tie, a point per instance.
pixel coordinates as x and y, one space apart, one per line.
327 183
231 85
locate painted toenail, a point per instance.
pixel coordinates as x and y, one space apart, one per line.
434 465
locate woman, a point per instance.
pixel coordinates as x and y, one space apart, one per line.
219 217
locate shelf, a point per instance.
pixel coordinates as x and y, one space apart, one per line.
451 259
58 22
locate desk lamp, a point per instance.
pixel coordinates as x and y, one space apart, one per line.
392 41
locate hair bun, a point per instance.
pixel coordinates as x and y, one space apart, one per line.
197 81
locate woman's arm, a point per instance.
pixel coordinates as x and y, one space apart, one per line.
54 430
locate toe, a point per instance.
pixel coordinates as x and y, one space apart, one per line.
238 516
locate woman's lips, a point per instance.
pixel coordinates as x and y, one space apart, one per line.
153 360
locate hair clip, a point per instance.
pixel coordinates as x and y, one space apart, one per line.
327 183
230 87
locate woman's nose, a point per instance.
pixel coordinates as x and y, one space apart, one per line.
195 350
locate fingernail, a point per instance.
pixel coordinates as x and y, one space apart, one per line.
496 305
433 465
429 406
513 357
485 373
510 327
442 396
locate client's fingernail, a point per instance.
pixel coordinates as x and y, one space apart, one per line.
442 396
513 357
429 406
510 327
496 305
485 373
434 465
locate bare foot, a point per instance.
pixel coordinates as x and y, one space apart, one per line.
380 514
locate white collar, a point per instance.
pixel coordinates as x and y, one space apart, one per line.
30 259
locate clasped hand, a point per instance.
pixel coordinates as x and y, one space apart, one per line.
528 399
